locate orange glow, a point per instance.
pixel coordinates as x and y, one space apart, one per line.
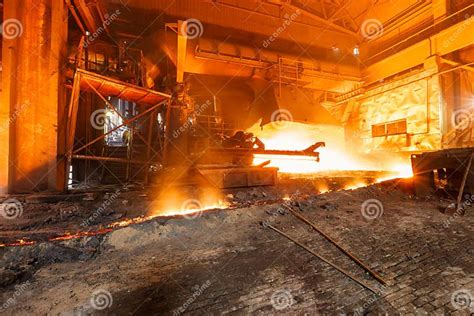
190 212
20 242
177 202
356 185
298 136
323 188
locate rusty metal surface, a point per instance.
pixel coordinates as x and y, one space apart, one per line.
116 88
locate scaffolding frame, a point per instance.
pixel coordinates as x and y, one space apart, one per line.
105 87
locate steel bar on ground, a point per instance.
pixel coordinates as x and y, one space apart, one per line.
357 280
355 259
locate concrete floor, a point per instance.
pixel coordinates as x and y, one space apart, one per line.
225 262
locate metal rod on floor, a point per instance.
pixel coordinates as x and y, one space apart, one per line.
355 279
354 258
463 183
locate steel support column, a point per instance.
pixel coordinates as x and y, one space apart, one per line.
33 96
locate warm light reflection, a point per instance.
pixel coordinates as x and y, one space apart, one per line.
298 136
190 211
174 201
356 185
123 223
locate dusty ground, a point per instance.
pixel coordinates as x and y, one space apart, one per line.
226 262
45 216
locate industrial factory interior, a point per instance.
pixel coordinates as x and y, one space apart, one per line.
241 157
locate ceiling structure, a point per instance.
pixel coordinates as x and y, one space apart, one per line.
339 18
337 42
300 55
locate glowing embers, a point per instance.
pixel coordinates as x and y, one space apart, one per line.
18 243
189 209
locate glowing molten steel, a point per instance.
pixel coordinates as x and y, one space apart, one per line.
297 136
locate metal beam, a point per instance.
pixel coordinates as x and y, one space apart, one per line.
456 64
76 17
451 39
182 44
111 159
322 20
112 107
85 12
